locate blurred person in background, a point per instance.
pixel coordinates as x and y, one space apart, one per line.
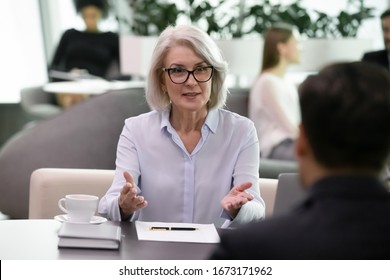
88 52
382 57
273 101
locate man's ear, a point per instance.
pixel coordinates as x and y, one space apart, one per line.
302 144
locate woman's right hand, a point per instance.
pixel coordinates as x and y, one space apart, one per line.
129 202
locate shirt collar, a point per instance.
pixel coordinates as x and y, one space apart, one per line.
165 118
211 122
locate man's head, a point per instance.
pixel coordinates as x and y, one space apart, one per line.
345 119
385 22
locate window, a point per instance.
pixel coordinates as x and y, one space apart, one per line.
26 37
21 51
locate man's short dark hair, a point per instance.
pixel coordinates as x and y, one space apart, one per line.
346 115
385 14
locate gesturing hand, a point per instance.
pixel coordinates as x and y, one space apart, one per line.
237 197
129 202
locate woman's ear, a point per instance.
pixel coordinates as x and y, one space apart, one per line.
163 87
281 47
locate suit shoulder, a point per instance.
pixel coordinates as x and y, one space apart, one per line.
375 54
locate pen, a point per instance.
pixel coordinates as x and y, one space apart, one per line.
172 228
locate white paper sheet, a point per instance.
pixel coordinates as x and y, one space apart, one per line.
204 233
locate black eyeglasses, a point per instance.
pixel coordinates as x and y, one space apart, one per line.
179 75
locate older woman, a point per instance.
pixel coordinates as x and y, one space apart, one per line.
188 160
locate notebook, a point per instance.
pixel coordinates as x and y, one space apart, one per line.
288 194
103 236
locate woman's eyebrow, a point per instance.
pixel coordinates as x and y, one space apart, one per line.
174 64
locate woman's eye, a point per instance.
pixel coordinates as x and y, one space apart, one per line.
177 70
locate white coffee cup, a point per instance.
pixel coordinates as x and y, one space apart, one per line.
79 208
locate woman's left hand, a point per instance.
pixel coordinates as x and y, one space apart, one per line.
237 197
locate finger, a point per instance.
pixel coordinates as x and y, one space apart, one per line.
238 201
142 203
245 195
231 209
228 206
236 205
139 199
232 205
127 193
131 202
243 187
128 177
125 189
229 202
129 183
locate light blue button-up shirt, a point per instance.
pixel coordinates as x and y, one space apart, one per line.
183 187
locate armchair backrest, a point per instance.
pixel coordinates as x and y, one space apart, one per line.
48 185
38 103
268 189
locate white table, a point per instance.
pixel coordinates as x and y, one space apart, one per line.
90 86
37 240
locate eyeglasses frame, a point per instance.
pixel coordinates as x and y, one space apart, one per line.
189 73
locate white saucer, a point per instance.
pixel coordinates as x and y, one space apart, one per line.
95 219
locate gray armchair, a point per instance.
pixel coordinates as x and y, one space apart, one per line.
38 103
83 136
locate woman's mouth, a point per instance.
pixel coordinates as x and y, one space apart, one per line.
191 94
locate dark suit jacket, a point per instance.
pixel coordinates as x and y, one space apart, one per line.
341 218
377 57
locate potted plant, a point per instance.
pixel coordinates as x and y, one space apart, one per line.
237 22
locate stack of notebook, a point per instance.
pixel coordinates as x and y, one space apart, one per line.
104 236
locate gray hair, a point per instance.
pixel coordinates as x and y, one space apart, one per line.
201 43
